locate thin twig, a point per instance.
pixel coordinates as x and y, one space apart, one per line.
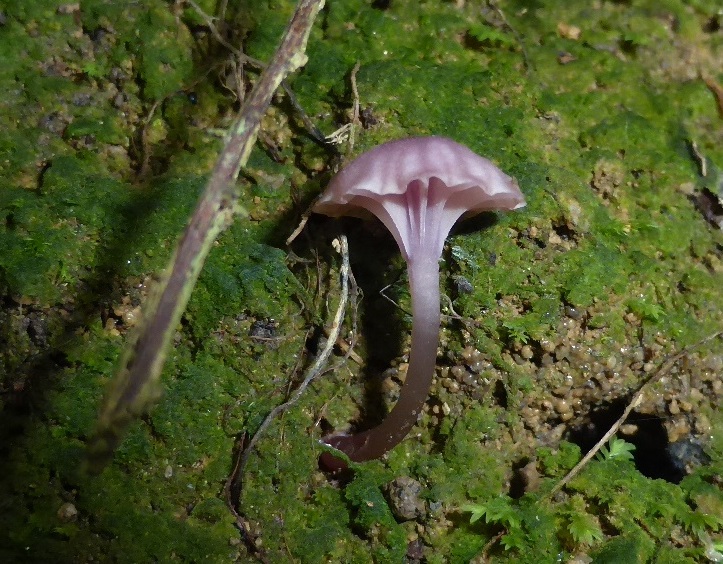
314 131
217 35
136 384
346 348
715 89
482 556
635 401
518 37
300 227
144 151
355 107
702 163
315 369
245 59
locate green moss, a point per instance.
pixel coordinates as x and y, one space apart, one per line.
48 231
103 128
598 145
373 516
630 549
161 49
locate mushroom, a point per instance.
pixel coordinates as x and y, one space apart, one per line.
418 187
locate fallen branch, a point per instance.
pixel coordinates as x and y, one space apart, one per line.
136 384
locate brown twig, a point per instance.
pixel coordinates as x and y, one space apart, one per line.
136 384
243 58
355 107
144 153
517 36
482 556
717 91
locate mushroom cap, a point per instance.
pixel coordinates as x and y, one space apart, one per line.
400 181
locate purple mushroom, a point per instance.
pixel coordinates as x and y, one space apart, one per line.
418 187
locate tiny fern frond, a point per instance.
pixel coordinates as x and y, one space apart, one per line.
617 449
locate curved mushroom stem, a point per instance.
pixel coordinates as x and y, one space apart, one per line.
367 445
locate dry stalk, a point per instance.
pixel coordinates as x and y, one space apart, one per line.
136 384
319 364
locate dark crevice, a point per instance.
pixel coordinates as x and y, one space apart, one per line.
655 456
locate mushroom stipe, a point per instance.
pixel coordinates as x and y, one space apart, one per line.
418 187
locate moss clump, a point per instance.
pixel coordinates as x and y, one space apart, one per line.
105 143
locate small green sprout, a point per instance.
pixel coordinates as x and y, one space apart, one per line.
517 330
581 526
646 310
617 449
498 511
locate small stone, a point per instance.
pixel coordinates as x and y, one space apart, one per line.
561 406
70 8
696 395
717 386
415 550
530 477
686 406
673 407
677 429
404 498
67 512
458 372
702 425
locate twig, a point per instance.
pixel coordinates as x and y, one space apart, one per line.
319 364
300 227
634 402
314 131
482 556
355 107
702 163
244 58
144 152
217 35
469 323
715 89
346 348
136 383
518 37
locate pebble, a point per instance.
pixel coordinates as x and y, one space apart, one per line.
561 406
404 498
677 429
67 512
673 407
527 352
702 425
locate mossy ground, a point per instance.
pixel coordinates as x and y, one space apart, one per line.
107 117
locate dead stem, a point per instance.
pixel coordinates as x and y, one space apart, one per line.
245 59
319 365
136 384
355 108
242 447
